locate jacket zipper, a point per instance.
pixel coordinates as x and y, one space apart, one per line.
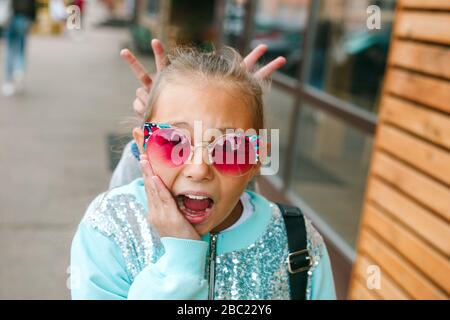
212 265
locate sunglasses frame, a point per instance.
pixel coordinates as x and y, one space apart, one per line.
150 127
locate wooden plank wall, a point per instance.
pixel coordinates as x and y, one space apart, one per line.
405 228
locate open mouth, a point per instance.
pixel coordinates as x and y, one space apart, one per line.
196 208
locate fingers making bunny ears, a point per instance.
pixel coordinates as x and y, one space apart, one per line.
144 77
266 71
249 62
138 69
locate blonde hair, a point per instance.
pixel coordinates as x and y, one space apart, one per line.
225 66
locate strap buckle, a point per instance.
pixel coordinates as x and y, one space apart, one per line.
296 269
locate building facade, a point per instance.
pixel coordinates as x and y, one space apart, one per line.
341 85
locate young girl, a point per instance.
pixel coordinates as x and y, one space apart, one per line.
188 229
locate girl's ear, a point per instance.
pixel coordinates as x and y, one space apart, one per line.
138 135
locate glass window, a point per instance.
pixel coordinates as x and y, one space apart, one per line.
234 23
349 58
192 22
281 24
278 112
152 7
330 171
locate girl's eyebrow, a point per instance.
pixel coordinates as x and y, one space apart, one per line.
185 124
179 124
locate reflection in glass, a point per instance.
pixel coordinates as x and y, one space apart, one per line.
278 112
234 23
153 7
281 24
331 166
348 58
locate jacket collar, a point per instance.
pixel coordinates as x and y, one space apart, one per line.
242 235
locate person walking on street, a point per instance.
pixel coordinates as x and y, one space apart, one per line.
23 15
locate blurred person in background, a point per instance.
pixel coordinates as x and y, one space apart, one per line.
23 15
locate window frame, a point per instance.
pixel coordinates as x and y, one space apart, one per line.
304 93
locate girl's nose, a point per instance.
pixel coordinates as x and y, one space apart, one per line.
197 168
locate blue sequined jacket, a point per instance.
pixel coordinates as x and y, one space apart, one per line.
116 254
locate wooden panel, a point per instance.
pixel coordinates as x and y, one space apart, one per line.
415 217
425 4
388 288
428 124
424 26
417 185
421 57
360 292
405 227
416 152
403 273
425 90
424 257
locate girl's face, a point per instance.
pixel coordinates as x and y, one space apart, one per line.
180 105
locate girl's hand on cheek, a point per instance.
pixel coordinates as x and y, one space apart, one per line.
163 210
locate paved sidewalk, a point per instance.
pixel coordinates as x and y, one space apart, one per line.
53 154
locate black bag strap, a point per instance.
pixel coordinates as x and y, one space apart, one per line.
299 260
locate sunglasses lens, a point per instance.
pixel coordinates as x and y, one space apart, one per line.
234 155
169 147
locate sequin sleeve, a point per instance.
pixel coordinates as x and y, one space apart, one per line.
104 257
97 265
96 270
